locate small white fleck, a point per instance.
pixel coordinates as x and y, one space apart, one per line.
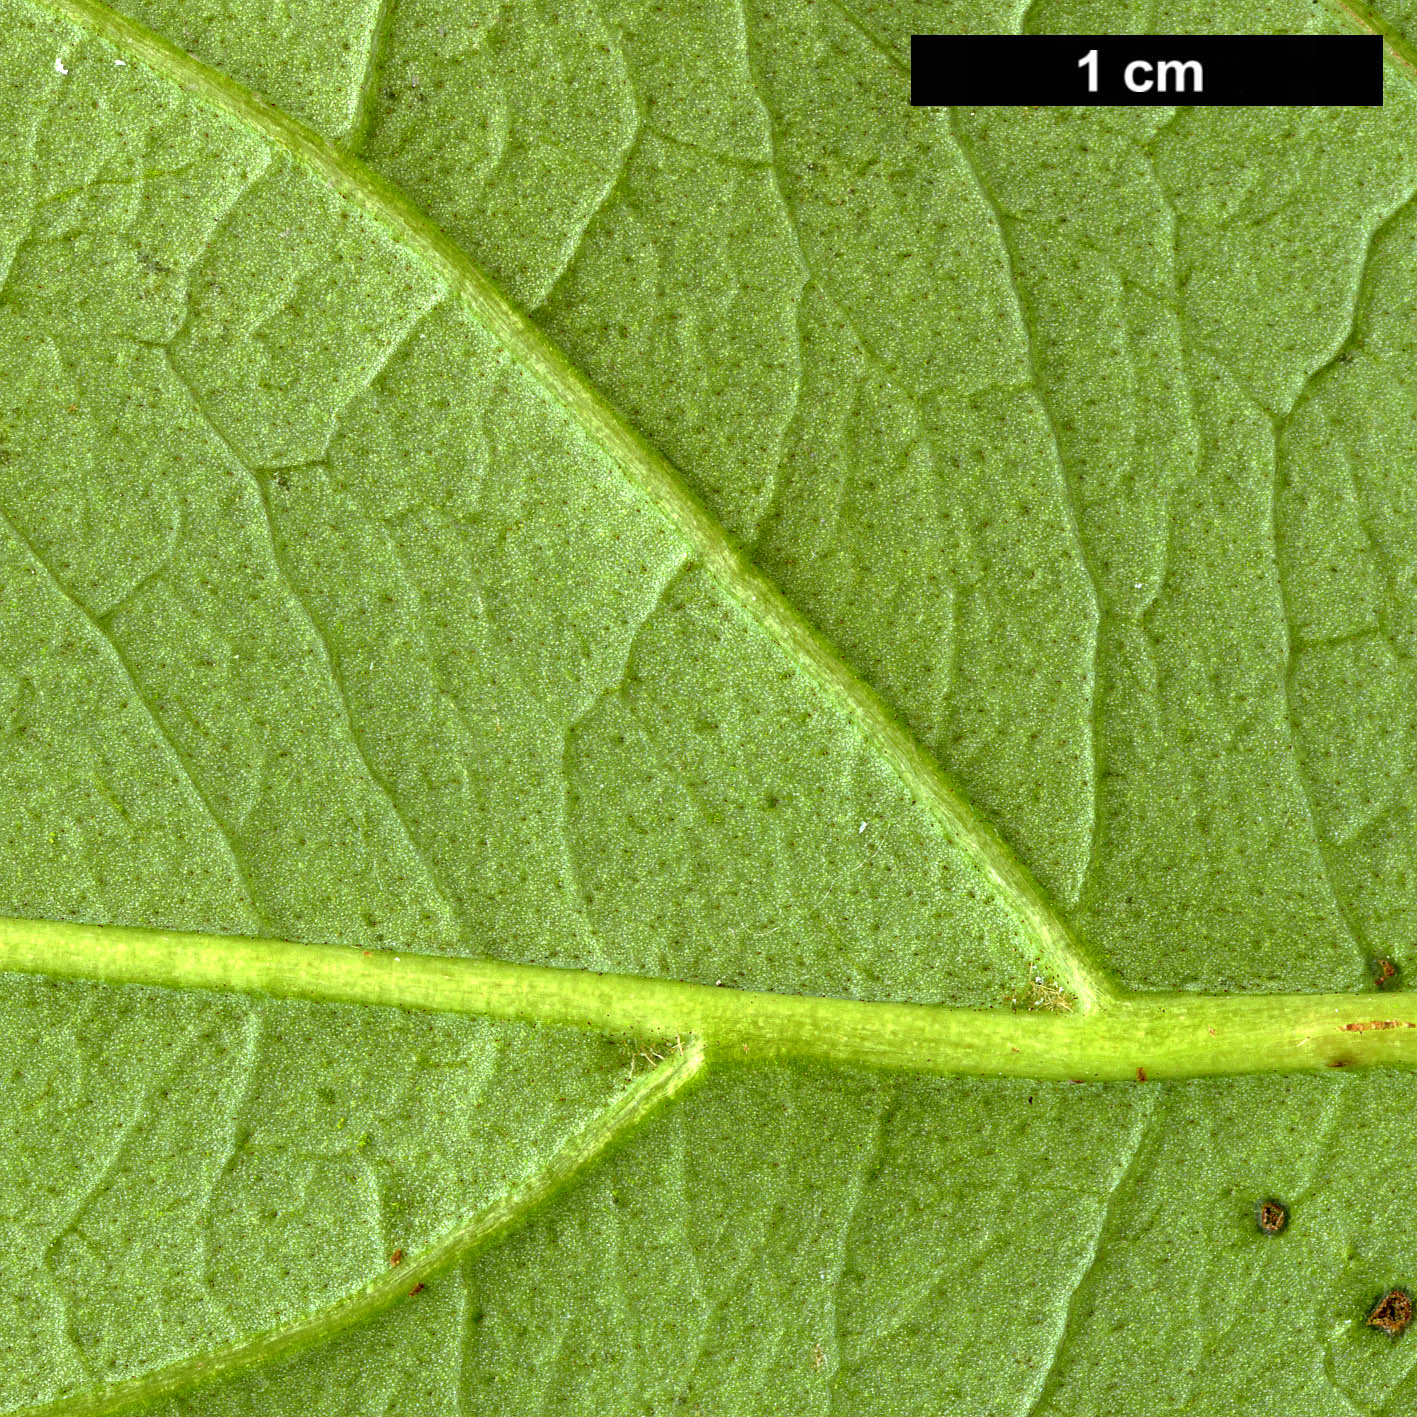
861 828
120 63
59 66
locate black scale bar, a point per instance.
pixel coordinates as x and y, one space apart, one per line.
1286 70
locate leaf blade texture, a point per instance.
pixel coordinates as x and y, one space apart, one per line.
337 609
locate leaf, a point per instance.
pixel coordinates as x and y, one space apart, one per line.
902 558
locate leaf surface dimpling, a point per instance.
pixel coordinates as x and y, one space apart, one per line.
327 613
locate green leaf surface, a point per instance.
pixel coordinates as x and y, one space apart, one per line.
623 654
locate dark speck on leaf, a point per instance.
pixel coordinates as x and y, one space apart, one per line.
1386 974
1392 1313
1272 1216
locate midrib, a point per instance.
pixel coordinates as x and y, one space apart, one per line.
1135 1037
1059 952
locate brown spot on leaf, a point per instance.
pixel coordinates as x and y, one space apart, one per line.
1368 1024
1272 1217
417 1289
1392 1313
1141 1074
396 1258
1385 973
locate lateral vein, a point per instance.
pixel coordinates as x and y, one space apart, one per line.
1356 13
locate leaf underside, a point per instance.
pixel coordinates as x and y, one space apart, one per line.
904 556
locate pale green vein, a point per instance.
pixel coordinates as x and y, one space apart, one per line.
639 1100
1060 953
1136 1036
179 759
1087 1272
362 113
1397 45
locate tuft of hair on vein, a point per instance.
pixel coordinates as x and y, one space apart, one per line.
1042 992
649 1053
